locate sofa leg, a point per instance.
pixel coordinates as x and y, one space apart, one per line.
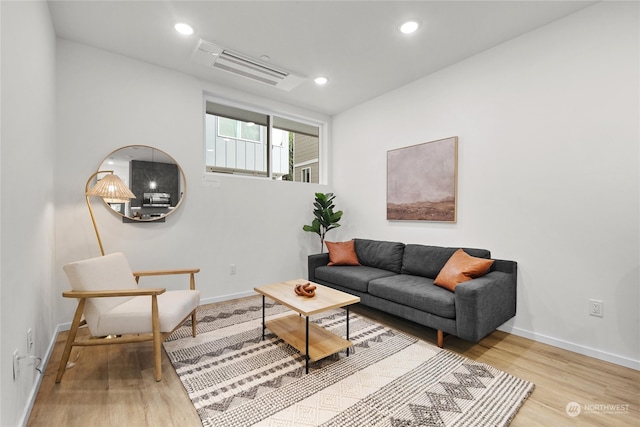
440 338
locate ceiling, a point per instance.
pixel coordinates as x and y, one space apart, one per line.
355 44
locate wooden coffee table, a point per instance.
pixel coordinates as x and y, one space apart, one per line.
309 339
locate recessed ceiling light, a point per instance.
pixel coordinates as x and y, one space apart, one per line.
409 27
321 80
183 28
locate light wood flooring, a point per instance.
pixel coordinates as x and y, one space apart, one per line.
115 386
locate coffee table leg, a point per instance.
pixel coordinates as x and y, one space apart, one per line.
263 327
347 329
306 345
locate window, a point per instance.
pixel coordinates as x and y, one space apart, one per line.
305 175
238 129
236 140
241 141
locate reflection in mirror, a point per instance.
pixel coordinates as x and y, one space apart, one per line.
154 177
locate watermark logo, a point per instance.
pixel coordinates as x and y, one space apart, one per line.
573 409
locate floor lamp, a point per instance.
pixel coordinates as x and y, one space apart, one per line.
111 189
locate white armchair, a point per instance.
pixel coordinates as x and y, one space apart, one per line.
112 304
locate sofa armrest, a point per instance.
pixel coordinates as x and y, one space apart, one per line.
485 303
505 266
314 261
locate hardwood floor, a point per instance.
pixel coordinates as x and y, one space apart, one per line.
115 385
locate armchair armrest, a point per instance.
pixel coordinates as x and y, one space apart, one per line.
166 272
114 293
190 271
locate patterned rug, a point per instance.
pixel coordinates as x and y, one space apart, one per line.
234 378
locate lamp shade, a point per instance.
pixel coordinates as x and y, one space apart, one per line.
111 189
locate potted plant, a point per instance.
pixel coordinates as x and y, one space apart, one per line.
325 218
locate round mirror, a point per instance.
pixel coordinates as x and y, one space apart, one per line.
155 178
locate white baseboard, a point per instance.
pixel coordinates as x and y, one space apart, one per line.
576 348
227 297
31 400
36 384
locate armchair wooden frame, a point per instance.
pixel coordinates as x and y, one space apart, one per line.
156 336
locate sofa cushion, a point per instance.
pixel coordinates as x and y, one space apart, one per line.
379 254
342 253
351 277
461 267
427 261
417 292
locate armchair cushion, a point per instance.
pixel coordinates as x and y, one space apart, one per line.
134 315
107 272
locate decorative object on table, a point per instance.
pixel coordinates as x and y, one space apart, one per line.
422 181
111 189
325 218
265 382
305 290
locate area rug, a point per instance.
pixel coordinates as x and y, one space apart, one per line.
234 378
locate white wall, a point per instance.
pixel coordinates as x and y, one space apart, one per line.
548 171
27 212
106 101
548 176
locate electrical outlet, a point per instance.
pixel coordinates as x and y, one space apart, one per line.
16 365
596 308
30 342
232 269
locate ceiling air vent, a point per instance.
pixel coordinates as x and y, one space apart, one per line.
215 56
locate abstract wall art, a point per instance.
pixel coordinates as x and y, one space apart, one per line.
422 181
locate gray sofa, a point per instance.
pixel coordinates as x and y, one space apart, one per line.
398 279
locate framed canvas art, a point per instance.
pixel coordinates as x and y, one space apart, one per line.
422 181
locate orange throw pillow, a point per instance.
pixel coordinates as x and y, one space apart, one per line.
342 253
461 267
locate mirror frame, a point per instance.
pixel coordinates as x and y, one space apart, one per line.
182 182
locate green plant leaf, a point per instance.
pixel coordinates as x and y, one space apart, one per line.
325 218
313 228
335 217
